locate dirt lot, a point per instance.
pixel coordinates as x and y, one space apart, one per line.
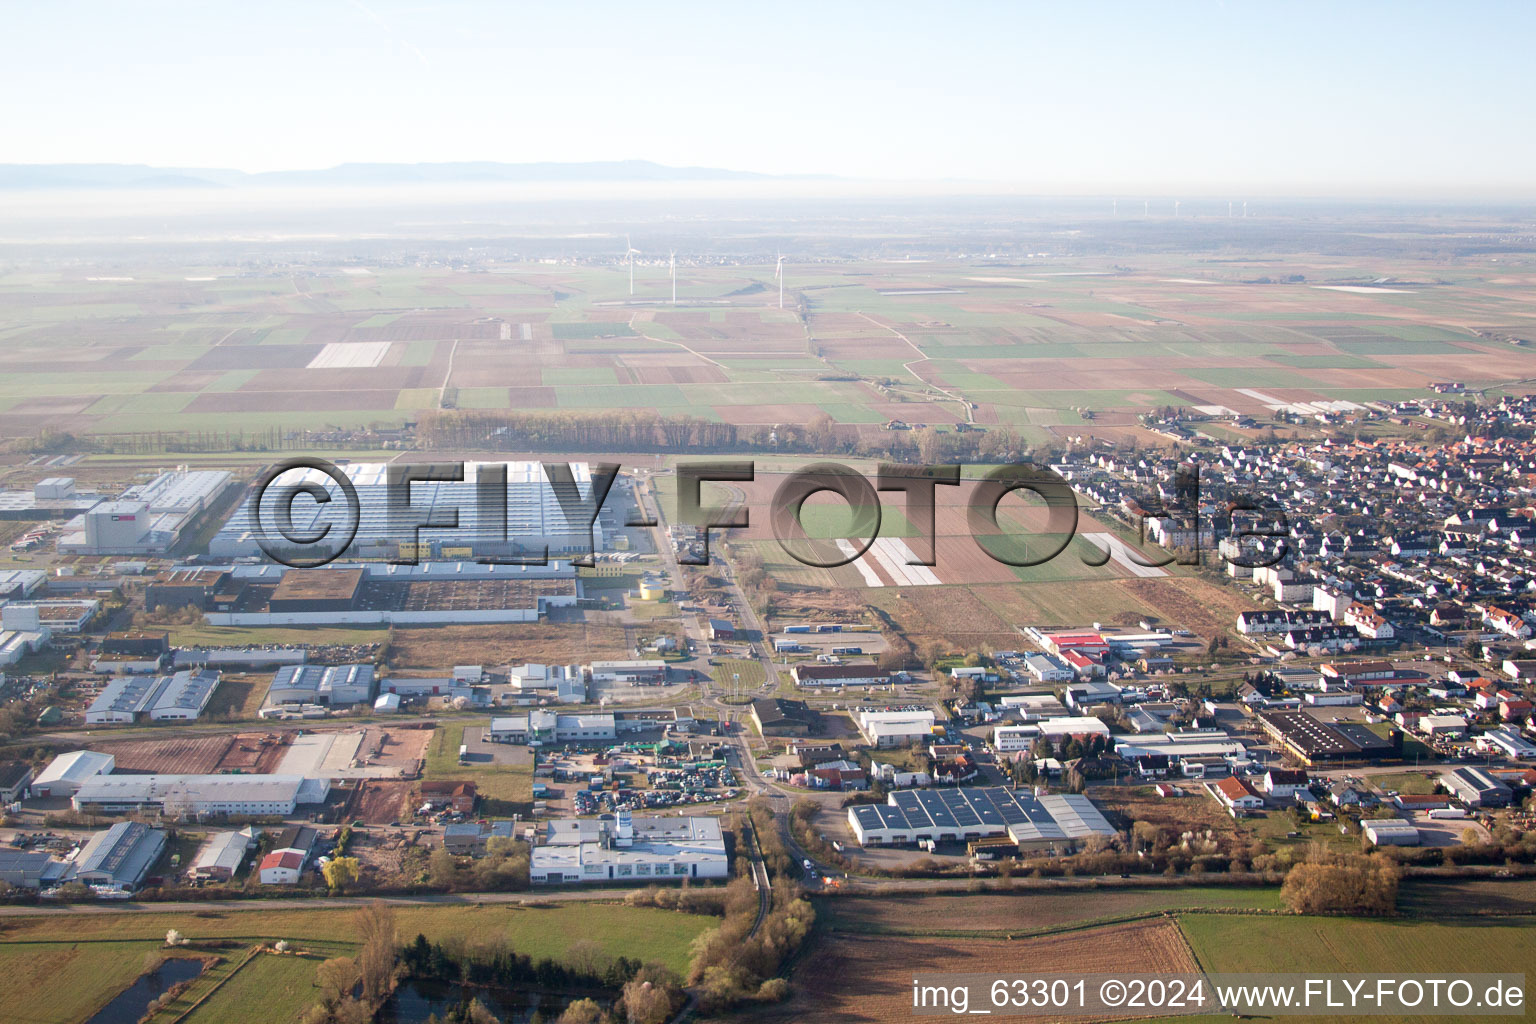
250 752
402 748
380 803
551 643
869 978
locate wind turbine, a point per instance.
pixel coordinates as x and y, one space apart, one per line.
778 272
672 261
1114 207
1245 207
1175 209
630 252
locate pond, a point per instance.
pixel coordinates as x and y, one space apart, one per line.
129 1004
416 1000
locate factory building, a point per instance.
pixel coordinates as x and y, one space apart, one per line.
121 857
66 773
329 685
883 729
148 518
1057 823
814 674
196 795
1312 741
49 616
15 777
27 869
221 855
636 673
541 726
431 593
1476 787
534 523
625 849
178 697
1391 832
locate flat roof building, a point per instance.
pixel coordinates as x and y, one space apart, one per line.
893 728
194 795
625 849
1056 823
535 523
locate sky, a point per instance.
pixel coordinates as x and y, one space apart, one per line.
1340 99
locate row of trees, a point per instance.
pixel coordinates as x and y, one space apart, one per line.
732 964
353 988
625 430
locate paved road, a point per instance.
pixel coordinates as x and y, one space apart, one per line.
317 903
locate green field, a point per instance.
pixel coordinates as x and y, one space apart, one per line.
749 674
504 789
167 352
268 989
63 981
1226 944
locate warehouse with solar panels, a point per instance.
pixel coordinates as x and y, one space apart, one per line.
534 520
1055 823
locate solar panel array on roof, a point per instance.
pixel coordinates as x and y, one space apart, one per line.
982 812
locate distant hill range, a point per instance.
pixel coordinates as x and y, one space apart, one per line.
63 176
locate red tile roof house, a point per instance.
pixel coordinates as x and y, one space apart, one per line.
281 867
1237 794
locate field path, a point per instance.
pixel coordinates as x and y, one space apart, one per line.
634 318
922 357
448 374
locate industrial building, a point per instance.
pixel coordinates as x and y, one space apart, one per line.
52 498
882 728
430 593
28 869
815 674
20 584
327 685
221 855
49 617
15 777
775 717
1312 741
622 849
178 697
195 795
635 673
121 857
1390 831
1476 787
66 773
533 523
540 726
1057 823
147 518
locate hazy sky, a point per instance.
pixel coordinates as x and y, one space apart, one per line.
1353 98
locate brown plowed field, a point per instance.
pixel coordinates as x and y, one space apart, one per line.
201 755
859 978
